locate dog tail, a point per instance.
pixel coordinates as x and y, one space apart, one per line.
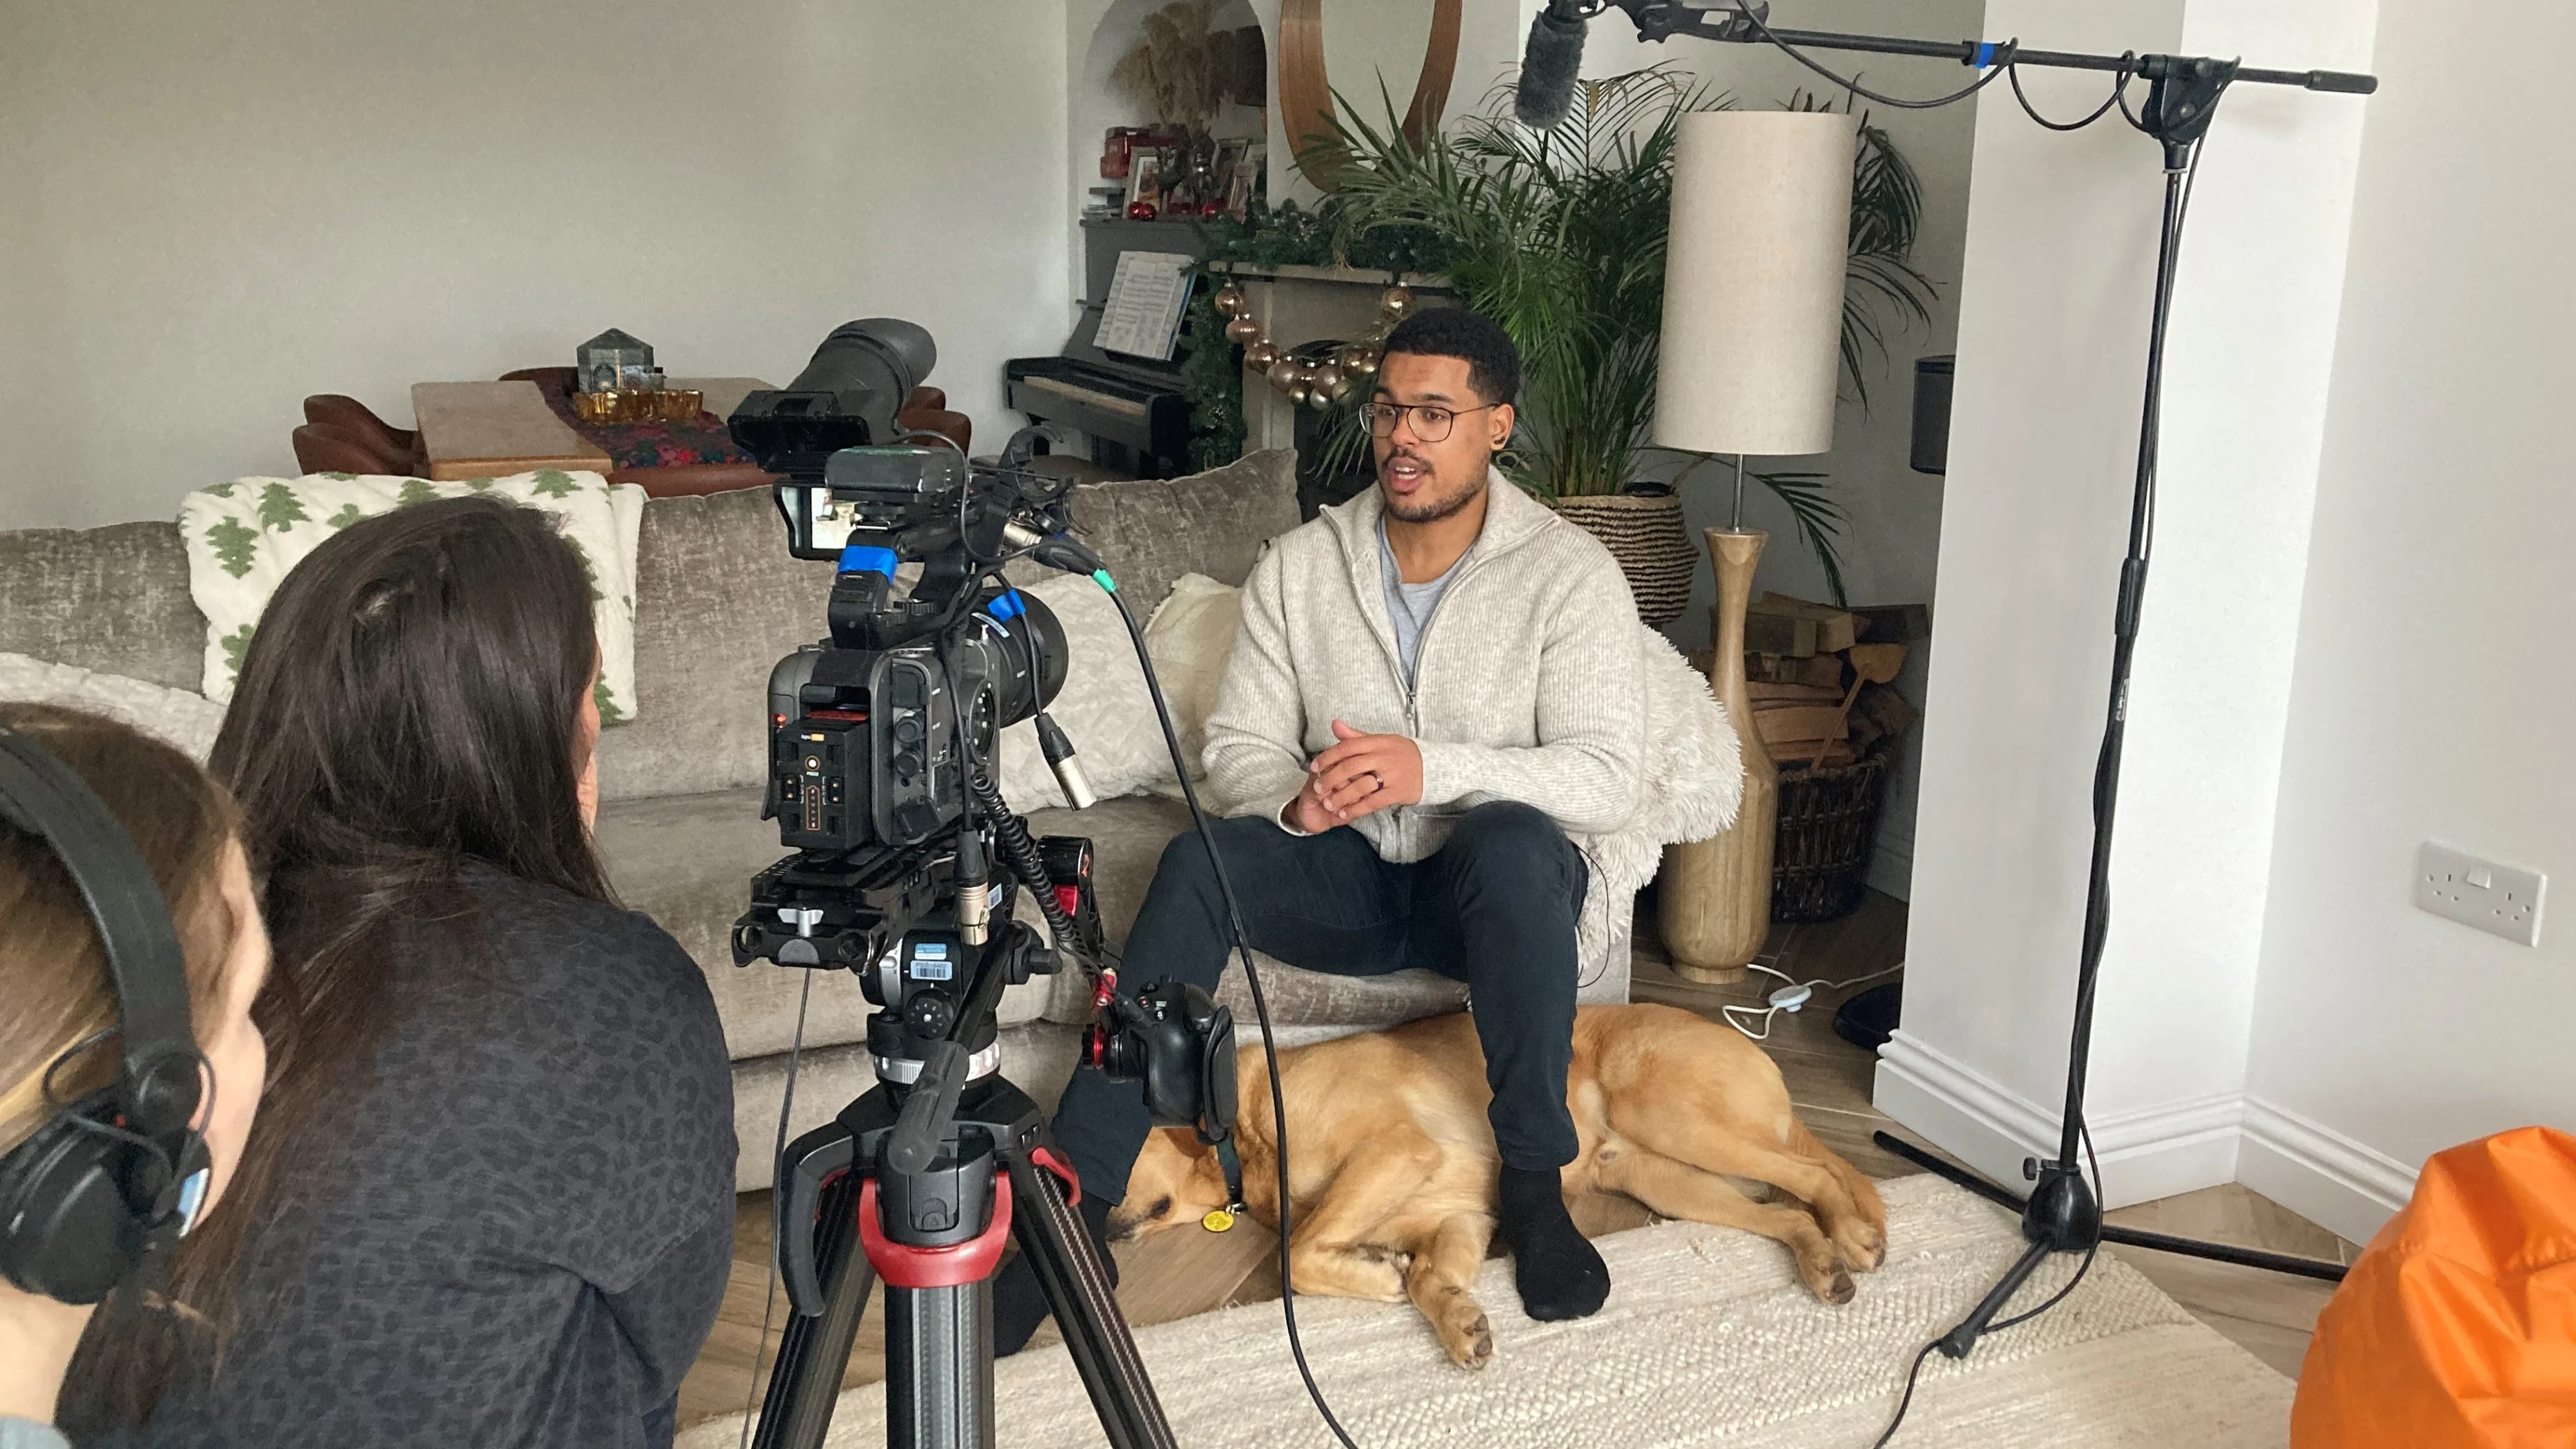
1864 1192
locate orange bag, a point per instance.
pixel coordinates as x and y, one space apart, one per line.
2456 1328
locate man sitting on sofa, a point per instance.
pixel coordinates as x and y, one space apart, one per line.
1434 683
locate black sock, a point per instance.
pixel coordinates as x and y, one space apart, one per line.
1019 1301
1559 1273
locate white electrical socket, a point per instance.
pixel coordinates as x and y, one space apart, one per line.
2497 899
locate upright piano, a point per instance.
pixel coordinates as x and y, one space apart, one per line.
1132 408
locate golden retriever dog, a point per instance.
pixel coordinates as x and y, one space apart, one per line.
1393 1166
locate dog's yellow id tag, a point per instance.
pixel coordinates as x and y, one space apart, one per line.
1217 1220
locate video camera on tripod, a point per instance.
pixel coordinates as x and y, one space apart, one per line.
885 741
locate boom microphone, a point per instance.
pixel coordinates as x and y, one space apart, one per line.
1548 66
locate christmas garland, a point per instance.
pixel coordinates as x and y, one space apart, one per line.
1212 361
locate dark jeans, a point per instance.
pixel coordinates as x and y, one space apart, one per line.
1495 908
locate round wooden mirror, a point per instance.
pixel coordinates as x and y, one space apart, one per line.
1367 49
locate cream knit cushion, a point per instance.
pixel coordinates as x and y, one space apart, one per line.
1190 637
175 716
1103 707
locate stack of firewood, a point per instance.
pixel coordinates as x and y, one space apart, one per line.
1821 678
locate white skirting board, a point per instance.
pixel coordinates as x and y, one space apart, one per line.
2323 1176
2320 1174
2144 1155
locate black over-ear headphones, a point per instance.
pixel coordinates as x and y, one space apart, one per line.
114 1179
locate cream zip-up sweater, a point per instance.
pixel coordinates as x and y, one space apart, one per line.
1527 686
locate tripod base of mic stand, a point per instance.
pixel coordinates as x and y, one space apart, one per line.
2059 1224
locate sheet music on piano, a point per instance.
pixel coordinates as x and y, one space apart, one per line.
1142 316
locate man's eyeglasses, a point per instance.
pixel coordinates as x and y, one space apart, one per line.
1431 422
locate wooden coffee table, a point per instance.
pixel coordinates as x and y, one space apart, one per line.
487 429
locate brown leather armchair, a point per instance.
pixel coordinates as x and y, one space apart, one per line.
347 414
322 448
926 410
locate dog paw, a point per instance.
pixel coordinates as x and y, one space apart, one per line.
1836 1290
1470 1344
1862 1248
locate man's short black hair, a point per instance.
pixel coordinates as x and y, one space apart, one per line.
1493 363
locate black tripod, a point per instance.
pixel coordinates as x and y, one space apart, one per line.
917 1183
933 1235
2062 1213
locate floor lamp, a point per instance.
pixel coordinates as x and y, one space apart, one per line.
1750 358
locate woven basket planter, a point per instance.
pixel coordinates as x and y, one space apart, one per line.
1645 535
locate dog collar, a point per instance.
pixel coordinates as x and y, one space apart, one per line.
1232 1165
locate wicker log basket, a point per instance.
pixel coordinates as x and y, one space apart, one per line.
1828 827
1644 534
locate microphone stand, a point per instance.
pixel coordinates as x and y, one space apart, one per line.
2062 1215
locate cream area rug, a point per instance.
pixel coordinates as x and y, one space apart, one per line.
1708 1339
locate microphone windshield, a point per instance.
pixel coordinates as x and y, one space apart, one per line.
1548 68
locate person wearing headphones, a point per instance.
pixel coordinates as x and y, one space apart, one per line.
129 1065
490 1200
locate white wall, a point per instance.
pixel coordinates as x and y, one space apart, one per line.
2061 235
2433 684
212 211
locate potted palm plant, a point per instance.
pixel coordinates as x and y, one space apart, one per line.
1559 236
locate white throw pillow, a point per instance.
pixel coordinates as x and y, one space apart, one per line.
187 721
1191 637
1103 707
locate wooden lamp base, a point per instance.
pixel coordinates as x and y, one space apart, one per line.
1714 896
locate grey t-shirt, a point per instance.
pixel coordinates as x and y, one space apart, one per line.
28 1434
1409 606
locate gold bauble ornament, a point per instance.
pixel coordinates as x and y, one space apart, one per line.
1318 399
1342 389
1395 302
1362 363
1326 378
1297 395
1261 356
1243 329
1287 374
1228 300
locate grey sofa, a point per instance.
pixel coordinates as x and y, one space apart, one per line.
717 602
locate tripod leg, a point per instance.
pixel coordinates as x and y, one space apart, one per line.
815 1352
939 1367
1095 1332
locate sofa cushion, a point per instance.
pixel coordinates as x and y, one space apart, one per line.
1151 532
113 599
717 602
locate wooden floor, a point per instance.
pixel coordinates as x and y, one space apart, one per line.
1179 1274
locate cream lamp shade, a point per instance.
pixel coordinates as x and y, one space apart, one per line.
1753 282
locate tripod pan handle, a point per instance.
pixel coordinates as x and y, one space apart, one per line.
928 1110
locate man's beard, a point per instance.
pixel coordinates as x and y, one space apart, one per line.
1426 506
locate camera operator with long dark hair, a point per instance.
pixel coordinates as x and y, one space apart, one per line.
490 1200
59 1017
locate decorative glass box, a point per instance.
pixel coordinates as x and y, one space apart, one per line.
614 359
